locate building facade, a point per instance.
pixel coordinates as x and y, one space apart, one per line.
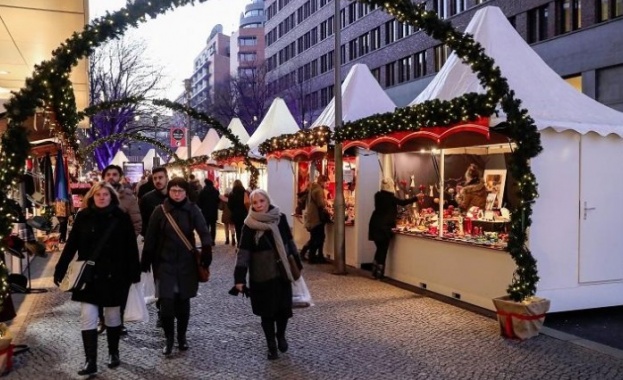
247 48
580 39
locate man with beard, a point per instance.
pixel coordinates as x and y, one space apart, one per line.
128 203
148 204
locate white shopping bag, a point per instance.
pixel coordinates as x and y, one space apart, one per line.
149 288
135 308
300 294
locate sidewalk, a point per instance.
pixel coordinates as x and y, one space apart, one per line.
358 329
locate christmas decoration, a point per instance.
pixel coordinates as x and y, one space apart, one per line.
318 136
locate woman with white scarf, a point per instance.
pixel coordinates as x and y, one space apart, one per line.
264 244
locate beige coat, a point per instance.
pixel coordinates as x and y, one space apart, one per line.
129 204
315 202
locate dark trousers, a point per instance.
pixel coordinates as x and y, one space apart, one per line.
238 227
382 246
62 228
316 246
172 309
212 228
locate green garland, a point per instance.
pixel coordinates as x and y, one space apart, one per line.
87 150
50 87
519 126
318 136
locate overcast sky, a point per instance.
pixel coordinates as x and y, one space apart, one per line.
177 37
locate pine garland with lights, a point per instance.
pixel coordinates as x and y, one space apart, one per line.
87 150
318 136
519 126
50 87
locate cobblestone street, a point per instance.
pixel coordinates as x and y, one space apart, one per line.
357 329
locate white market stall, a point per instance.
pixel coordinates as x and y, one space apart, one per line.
279 174
148 160
202 169
232 169
362 96
575 235
119 158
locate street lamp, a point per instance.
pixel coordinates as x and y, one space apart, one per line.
156 159
187 89
338 206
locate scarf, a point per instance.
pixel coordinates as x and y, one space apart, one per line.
269 221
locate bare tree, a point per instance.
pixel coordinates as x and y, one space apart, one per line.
246 97
120 70
299 98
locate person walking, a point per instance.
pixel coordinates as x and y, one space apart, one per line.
238 202
116 268
147 205
264 245
228 223
315 220
382 221
208 202
174 267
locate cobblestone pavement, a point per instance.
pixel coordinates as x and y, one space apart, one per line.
357 329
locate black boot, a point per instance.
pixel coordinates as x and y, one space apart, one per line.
113 333
168 325
269 332
282 343
182 326
89 340
304 251
233 241
380 272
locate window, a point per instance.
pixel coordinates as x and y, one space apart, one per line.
375 38
441 56
390 74
609 9
569 13
376 73
390 31
247 57
404 69
419 64
247 41
537 24
575 81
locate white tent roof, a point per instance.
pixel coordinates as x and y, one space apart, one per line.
236 127
550 100
119 158
278 121
208 143
148 160
362 96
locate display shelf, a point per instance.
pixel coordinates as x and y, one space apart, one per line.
457 240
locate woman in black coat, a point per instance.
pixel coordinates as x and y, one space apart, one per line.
238 203
175 267
265 244
116 268
382 221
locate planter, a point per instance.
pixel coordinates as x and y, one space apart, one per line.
521 320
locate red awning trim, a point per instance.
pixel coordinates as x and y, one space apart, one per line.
303 152
435 134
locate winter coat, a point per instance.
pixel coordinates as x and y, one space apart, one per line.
129 204
147 205
315 202
174 266
384 216
226 215
117 265
237 202
473 195
271 293
209 199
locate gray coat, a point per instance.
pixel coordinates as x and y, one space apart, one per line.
174 267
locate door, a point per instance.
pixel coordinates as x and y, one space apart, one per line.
601 195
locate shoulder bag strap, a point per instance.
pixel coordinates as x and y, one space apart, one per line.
177 229
100 245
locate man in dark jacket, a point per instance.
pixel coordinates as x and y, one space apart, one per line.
209 199
155 197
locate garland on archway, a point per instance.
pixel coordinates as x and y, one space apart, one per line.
318 136
132 136
49 86
519 126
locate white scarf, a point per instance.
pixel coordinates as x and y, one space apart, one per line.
269 221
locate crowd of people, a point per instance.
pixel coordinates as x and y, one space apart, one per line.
165 211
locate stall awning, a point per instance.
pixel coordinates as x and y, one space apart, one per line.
307 153
474 133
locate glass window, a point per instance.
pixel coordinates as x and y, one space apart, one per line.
609 9
537 24
441 56
247 41
419 64
569 15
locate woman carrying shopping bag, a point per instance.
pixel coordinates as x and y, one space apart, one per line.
102 224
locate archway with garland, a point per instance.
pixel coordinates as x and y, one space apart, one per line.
50 87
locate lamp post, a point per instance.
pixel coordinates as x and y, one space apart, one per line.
156 159
338 207
187 88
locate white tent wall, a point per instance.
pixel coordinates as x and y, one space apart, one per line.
579 260
280 186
